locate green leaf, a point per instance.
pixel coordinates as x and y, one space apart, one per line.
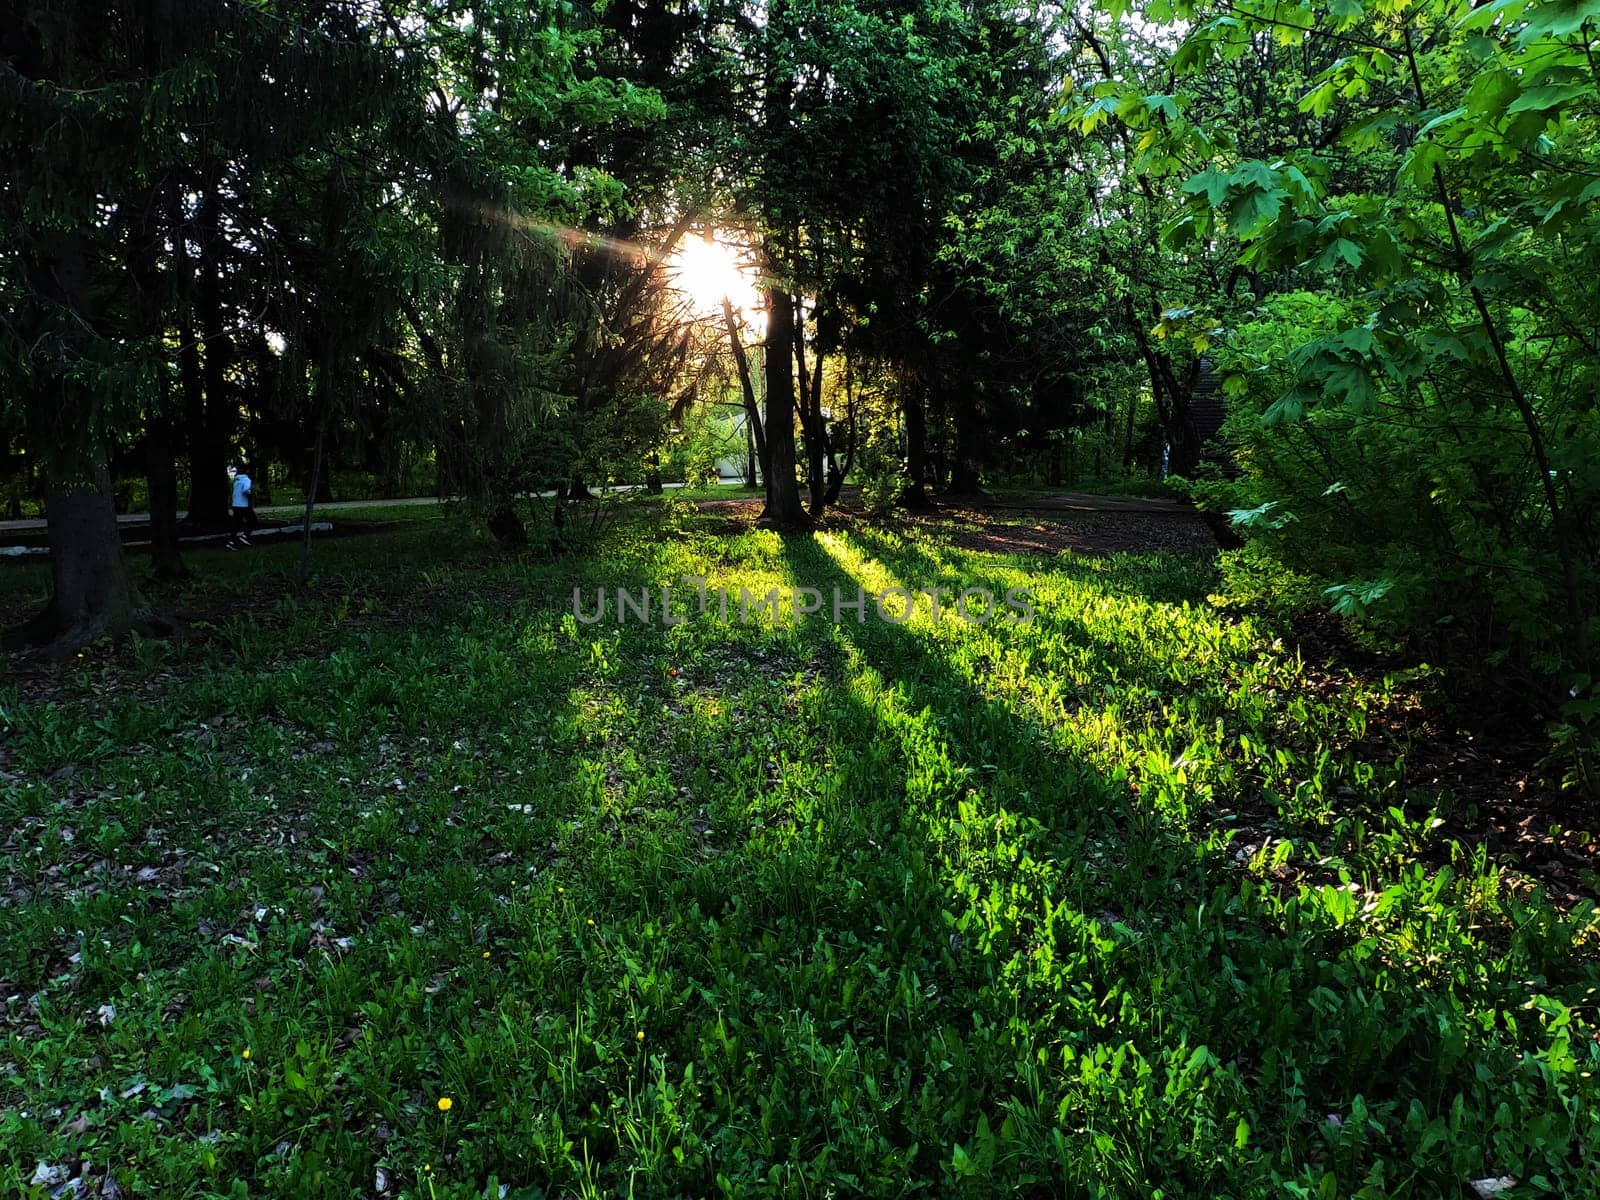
1355 599
1491 93
1253 173
1441 120
1165 105
1285 410
1212 183
1484 16
1543 99
1349 384
1339 250
1319 100
1179 232
1358 340
1250 212
1263 516
1559 19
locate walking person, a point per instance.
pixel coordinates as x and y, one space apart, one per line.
242 511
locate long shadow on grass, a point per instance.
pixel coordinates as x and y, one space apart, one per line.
1039 898
1173 668
1023 882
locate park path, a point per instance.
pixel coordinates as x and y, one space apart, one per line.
37 524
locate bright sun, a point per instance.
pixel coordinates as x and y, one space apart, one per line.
705 270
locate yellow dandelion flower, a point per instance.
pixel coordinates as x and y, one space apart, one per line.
591 922
245 1053
486 954
639 1037
446 1104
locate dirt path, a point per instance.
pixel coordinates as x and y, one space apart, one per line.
1046 523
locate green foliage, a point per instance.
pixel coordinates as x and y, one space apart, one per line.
1413 393
881 473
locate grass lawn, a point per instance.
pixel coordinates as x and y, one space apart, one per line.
413 884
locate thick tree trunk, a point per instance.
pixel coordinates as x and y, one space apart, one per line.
93 594
817 470
784 510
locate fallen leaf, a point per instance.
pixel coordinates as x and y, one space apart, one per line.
48 1175
1493 1186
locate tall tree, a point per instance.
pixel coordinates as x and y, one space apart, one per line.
108 110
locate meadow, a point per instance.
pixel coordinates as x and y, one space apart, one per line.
410 883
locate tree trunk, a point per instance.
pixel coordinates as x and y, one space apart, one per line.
508 528
1127 440
784 510
149 311
915 493
813 428
93 594
207 445
838 474
1172 401
161 472
963 457
750 478
752 414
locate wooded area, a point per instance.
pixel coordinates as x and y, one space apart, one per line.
432 241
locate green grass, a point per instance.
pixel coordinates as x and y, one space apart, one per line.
1103 905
